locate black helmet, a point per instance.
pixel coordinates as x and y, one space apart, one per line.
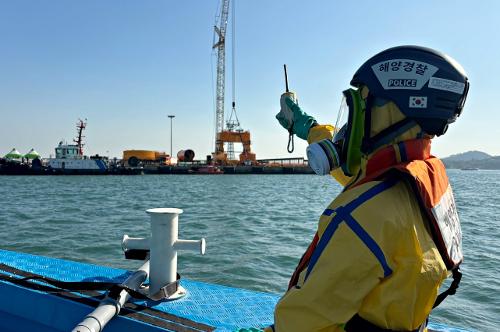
428 87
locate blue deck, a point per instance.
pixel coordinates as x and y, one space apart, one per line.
224 308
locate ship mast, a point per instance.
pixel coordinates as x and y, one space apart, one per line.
80 126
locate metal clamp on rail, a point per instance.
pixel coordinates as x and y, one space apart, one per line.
162 247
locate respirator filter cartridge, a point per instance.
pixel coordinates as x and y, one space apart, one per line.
323 157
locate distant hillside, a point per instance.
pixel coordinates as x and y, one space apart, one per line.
472 159
468 156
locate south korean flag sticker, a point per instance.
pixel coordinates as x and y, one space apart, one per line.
418 102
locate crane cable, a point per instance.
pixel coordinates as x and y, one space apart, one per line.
233 66
232 53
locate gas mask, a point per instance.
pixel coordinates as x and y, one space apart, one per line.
343 152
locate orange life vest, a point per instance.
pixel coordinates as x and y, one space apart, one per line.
412 161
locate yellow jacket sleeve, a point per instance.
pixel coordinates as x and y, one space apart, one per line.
320 132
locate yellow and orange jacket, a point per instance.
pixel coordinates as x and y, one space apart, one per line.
373 254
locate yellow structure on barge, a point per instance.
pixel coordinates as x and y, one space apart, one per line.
133 158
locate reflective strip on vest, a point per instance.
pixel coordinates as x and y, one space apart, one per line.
446 216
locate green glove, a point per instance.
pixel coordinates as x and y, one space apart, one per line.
292 118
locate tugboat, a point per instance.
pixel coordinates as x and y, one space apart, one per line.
71 160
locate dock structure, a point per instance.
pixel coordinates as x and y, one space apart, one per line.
262 166
116 167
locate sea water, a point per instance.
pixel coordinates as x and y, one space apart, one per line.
256 227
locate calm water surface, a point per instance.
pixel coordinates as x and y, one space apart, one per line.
256 227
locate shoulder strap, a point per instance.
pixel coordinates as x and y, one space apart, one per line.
457 276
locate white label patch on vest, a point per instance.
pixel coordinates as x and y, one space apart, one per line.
403 73
446 85
418 102
445 213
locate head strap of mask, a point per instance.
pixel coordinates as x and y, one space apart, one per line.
370 144
351 147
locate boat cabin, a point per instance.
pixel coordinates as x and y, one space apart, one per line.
67 151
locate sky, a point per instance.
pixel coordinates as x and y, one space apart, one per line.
125 65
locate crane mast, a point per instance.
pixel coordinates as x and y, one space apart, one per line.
220 45
233 133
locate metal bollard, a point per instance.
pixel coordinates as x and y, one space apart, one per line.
163 246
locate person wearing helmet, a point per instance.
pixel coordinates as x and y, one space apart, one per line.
388 241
